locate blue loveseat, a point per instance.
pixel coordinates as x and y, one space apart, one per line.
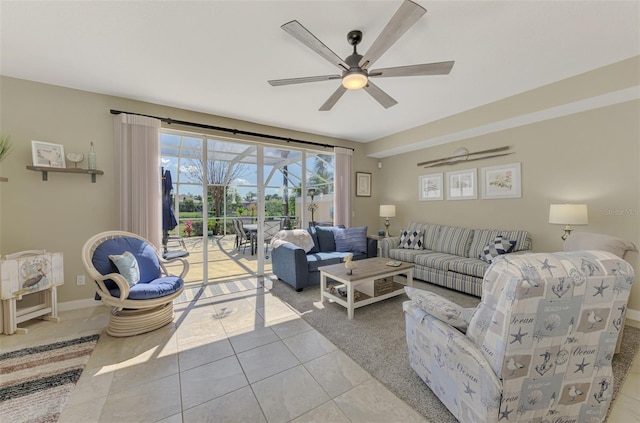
332 244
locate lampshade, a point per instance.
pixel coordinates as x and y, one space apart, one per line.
568 214
388 210
354 81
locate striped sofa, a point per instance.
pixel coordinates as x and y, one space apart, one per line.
449 255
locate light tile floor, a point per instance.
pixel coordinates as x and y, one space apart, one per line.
238 357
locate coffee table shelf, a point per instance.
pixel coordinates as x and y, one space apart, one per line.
367 272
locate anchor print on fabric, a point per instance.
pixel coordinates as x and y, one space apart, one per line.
617 322
602 395
560 289
546 365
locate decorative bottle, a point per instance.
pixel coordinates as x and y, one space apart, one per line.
92 158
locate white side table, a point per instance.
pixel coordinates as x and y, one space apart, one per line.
25 273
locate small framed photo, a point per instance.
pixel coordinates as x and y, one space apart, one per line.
462 185
502 181
46 154
430 187
363 184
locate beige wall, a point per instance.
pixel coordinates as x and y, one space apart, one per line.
591 157
61 214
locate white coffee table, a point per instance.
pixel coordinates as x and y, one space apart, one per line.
367 272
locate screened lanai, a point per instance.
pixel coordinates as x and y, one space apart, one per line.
215 181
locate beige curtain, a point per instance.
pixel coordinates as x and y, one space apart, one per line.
137 176
342 188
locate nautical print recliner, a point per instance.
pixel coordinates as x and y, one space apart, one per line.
538 347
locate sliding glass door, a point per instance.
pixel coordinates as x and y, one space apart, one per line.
218 183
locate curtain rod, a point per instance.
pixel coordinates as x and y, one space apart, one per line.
233 131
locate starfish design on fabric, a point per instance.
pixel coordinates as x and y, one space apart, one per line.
505 414
468 390
581 366
600 289
518 336
546 266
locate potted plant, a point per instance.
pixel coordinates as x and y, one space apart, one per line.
5 147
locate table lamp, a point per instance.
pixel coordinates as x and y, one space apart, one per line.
387 211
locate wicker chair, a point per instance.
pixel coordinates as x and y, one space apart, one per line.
141 305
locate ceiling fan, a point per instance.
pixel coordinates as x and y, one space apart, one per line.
355 68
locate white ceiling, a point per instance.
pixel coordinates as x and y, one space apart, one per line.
216 56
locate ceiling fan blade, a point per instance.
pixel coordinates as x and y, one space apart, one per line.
381 97
441 68
407 15
302 34
331 101
289 81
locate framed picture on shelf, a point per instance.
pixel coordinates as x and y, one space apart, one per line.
462 185
46 154
430 187
502 181
363 184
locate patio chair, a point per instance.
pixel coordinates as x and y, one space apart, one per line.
271 227
131 276
244 236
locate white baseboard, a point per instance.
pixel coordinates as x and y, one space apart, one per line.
633 315
74 305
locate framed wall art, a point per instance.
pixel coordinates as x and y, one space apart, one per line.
363 184
430 187
462 185
46 154
502 181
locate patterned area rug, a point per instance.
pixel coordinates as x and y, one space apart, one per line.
44 376
375 339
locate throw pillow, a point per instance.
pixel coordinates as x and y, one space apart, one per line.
496 248
316 243
352 240
411 240
441 308
326 237
127 266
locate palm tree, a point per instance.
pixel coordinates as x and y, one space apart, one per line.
322 179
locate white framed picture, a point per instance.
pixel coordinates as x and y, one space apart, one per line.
462 185
430 187
363 184
46 154
502 181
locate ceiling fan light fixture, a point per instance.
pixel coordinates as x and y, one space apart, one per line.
355 80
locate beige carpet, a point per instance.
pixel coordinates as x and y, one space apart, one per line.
375 339
44 376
